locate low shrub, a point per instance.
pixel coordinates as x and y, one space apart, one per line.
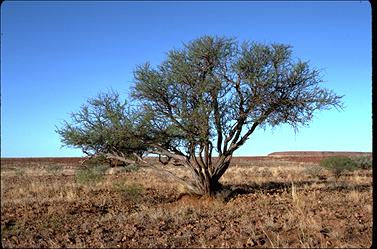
363 162
97 160
54 169
102 160
20 171
315 171
90 175
338 165
131 168
132 190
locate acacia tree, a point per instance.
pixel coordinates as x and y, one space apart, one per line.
206 97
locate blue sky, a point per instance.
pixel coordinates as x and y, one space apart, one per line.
55 55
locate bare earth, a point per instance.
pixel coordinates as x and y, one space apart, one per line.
269 202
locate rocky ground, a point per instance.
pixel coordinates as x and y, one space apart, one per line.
265 205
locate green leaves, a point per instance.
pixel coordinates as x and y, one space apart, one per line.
212 93
338 164
104 124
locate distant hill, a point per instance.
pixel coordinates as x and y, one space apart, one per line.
317 153
312 156
296 156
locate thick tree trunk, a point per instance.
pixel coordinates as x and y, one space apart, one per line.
221 167
209 184
205 176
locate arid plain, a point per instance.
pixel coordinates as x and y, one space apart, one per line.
281 200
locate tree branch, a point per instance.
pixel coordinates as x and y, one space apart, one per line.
218 126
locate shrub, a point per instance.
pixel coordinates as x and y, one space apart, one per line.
131 168
102 160
363 162
265 173
90 175
338 164
54 169
20 171
97 160
314 171
132 190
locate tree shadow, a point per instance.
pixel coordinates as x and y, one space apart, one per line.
231 191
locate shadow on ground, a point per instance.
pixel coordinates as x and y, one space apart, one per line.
231 191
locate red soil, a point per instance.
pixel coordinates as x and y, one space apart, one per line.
316 153
296 156
313 156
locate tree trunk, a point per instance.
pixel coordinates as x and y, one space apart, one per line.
221 167
208 183
210 186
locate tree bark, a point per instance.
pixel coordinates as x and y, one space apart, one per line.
205 173
210 186
208 181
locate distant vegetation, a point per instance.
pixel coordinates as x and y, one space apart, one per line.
363 162
339 164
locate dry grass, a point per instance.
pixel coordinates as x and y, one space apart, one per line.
277 205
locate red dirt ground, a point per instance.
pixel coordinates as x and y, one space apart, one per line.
295 156
269 206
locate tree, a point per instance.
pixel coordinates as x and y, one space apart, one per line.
208 96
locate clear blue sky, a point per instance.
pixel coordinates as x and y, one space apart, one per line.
56 55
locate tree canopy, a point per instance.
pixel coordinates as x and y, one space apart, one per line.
208 96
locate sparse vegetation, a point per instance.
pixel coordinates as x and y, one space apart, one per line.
283 208
98 160
54 169
338 165
20 171
314 171
131 168
90 175
363 162
133 190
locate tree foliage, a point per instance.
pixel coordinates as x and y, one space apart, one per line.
208 96
105 125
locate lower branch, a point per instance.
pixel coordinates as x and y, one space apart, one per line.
143 163
221 166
